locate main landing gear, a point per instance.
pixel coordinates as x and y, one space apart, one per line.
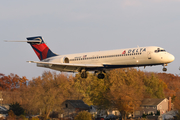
164 69
100 74
83 74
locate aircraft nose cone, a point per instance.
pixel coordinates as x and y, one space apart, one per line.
171 58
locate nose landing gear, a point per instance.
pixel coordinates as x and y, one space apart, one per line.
164 69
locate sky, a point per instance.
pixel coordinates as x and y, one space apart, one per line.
76 26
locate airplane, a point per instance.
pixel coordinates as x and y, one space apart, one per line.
99 61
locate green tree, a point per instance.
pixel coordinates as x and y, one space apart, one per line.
17 109
92 90
154 87
83 115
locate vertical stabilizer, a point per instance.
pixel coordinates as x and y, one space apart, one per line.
40 48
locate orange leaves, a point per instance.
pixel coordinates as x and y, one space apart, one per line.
172 83
11 82
126 89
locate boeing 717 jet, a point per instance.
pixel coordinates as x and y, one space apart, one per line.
99 61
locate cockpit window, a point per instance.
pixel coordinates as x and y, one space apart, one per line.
159 50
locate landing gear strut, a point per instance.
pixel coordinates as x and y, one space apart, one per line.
83 74
164 69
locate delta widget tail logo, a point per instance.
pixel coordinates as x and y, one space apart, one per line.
40 48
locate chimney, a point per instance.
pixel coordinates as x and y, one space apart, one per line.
169 104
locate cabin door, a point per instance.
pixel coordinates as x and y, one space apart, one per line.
149 55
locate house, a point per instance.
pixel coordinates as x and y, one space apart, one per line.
103 113
72 107
152 106
3 111
169 115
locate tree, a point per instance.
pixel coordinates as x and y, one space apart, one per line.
17 109
11 115
46 93
83 115
11 82
126 90
92 89
154 87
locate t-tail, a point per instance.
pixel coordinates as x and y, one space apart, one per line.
40 48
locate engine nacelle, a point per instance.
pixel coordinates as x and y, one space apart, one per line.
62 59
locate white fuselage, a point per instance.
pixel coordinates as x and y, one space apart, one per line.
121 58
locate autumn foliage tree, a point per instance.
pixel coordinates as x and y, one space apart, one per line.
11 82
92 89
46 93
126 90
121 89
83 115
9 86
172 84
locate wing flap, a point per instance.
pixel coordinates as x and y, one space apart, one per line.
66 64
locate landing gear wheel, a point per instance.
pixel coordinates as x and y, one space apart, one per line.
100 76
83 74
164 69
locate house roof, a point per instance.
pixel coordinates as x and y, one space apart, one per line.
151 102
78 104
3 108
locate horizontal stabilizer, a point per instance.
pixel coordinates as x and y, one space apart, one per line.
28 41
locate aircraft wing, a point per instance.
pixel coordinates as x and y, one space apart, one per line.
65 66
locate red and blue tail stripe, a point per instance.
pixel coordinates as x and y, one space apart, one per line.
40 48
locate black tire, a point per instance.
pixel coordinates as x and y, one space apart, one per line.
101 76
83 75
165 69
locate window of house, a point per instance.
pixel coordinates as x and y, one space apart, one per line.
137 113
66 105
150 112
